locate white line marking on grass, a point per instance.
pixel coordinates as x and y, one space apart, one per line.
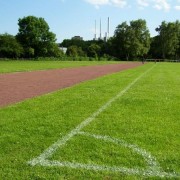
150 160
154 169
95 167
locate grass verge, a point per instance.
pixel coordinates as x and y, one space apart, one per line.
19 66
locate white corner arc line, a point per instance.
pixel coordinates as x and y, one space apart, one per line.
94 167
152 164
62 141
153 167
152 170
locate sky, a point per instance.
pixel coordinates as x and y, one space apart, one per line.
68 18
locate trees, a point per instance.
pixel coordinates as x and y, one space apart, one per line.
141 39
73 42
74 51
122 40
155 49
131 40
9 47
94 50
35 37
169 39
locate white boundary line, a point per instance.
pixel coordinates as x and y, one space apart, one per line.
153 168
150 160
43 158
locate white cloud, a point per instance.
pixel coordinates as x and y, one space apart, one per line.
177 8
162 5
143 3
97 3
157 4
119 3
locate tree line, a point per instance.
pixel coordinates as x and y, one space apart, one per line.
130 41
33 39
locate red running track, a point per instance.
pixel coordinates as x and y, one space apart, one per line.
16 87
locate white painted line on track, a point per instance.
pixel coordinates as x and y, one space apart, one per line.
154 169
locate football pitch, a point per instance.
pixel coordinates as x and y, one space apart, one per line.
119 126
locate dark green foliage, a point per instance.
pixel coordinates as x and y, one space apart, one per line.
35 37
169 39
155 50
81 48
94 50
9 47
131 41
75 51
73 42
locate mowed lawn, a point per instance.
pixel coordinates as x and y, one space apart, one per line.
134 136
27 65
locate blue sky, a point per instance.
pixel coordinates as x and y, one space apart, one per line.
68 18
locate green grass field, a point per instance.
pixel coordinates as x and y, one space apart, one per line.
134 133
18 66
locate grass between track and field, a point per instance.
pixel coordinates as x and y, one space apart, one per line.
135 136
27 65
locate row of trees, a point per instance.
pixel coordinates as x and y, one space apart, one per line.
34 39
75 48
130 41
167 43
